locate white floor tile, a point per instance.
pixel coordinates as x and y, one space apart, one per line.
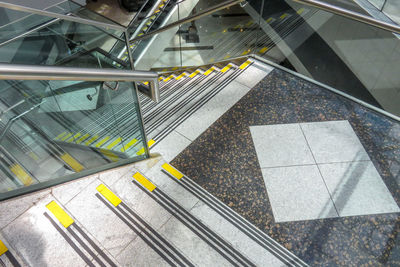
357 188
65 192
333 141
203 118
253 75
298 193
171 145
280 145
109 177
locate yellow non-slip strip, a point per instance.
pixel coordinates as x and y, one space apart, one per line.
160 78
33 156
244 65
73 163
91 140
174 172
169 78
114 143
102 141
249 23
194 73
180 76
227 56
109 195
80 140
283 16
73 137
269 20
60 135
21 174
301 10
209 71
143 181
146 83
149 144
226 68
129 144
245 52
66 137
263 50
3 248
60 214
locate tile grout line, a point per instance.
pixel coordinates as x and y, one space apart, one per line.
312 154
312 164
191 141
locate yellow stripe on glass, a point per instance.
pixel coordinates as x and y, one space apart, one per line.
73 137
129 144
60 135
66 137
174 172
109 195
91 140
80 140
102 141
263 50
21 174
114 143
60 214
73 163
143 181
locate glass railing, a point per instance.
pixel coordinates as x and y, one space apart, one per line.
55 131
43 40
356 58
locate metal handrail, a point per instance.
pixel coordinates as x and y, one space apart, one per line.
206 12
61 16
30 72
351 15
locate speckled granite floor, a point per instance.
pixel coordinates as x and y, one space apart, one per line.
224 162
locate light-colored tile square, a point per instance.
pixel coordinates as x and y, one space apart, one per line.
171 145
333 141
203 118
253 74
298 193
99 220
280 145
357 188
109 177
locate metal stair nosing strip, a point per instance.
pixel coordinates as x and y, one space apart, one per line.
241 223
198 104
219 244
163 118
151 237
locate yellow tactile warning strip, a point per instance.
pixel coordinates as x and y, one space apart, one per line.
244 65
60 214
149 144
209 71
60 135
263 50
168 78
129 144
114 143
91 140
174 172
21 174
109 195
65 137
80 140
226 68
3 248
143 181
194 73
283 16
269 20
102 141
180 76
73 163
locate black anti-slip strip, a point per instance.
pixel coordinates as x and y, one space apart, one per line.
69 241
143 237
210 234
242 222
85 247
12 259
90 241
166 207
241 226
156 234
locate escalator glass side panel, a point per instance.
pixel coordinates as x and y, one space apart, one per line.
55 131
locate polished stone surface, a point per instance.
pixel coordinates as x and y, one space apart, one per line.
224 162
